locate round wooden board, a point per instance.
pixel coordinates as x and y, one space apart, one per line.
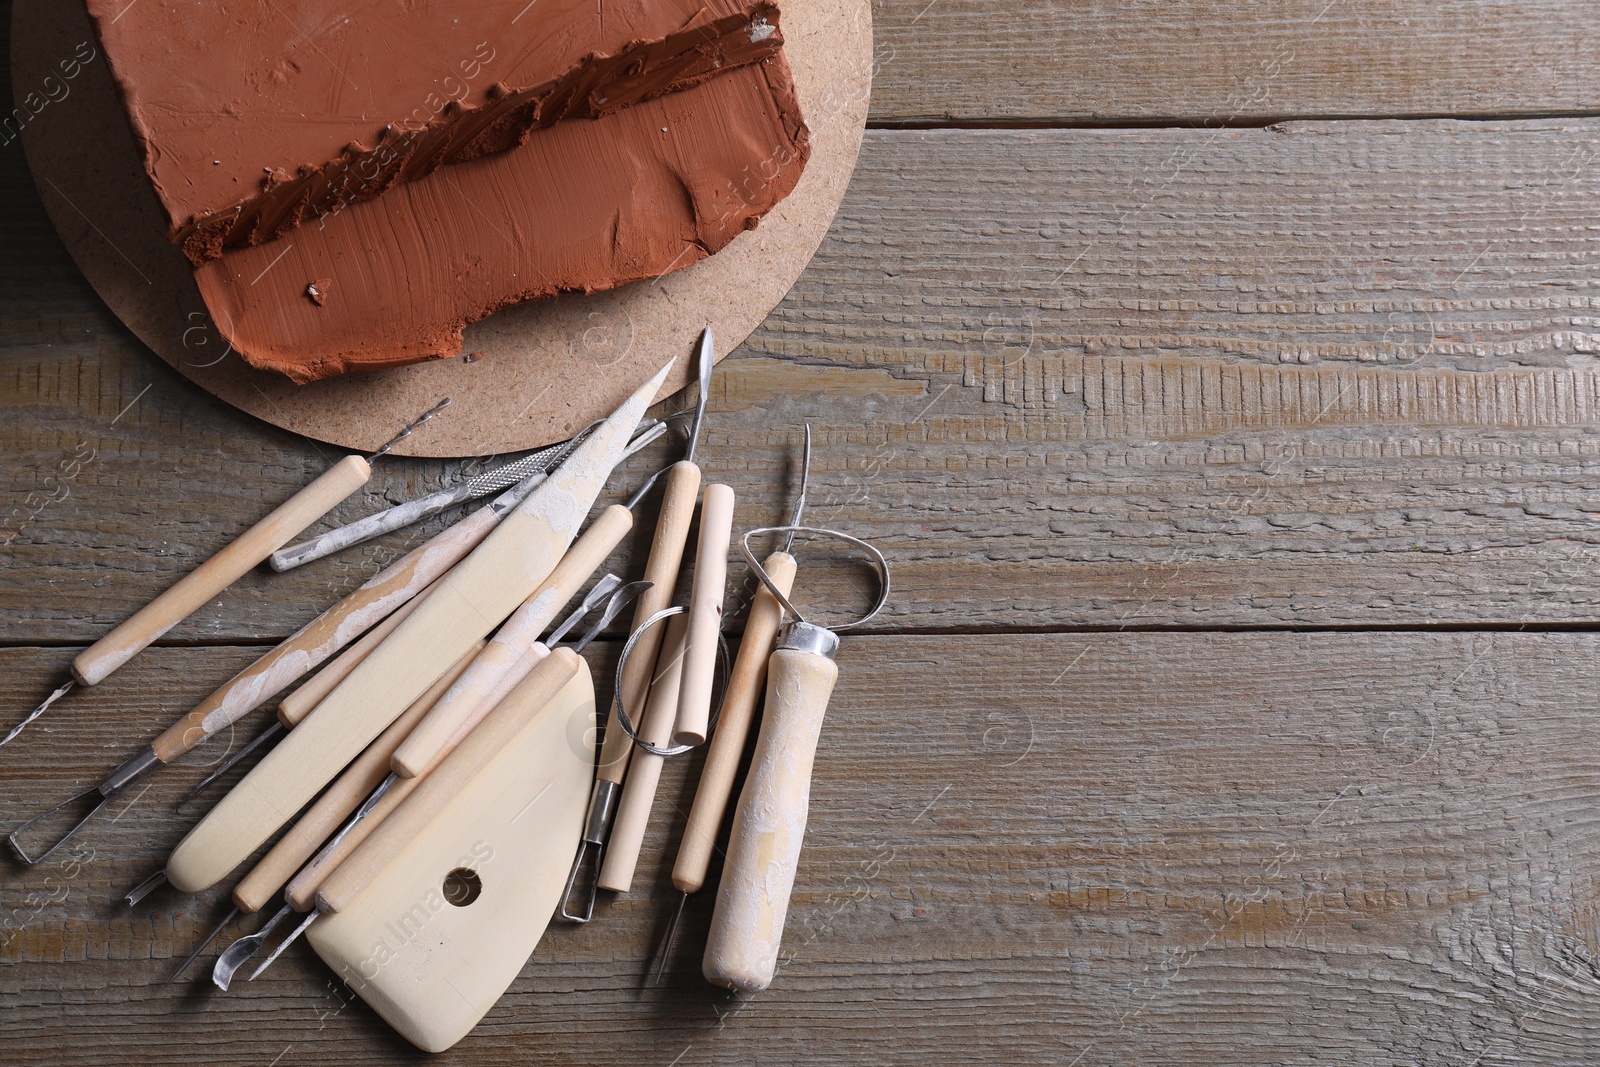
539 371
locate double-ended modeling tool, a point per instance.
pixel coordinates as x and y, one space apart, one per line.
661 570
95 663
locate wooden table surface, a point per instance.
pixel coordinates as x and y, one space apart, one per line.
1220 380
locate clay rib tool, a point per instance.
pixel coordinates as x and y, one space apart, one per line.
770 820
343 801
480 592
739 701
487 867
390 589
311 829
302 892
403 515
195 589
514 649
697 630
661 569
457 768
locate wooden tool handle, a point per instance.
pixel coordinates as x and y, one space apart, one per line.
336 804
705 616
666 557
509 656
221 570
298 704
644 773
451 776
395 586
301 895
745 683
769 825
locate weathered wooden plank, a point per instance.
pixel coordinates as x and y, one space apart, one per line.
1190 62
1323 374
1212 63
1103 848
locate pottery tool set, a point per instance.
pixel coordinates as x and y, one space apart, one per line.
437 792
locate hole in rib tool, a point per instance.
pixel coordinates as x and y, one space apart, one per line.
391 592
734 719
770 819
390 793
661 570
341 801
508 804
95 663
482 590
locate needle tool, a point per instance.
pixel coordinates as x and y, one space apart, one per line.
199 586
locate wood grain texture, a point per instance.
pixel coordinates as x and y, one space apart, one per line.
1328 374
1183 848
1194 62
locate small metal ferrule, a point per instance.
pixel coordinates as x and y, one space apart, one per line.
809 637
130 772
602 806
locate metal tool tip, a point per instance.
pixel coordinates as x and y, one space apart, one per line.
146 887
410 428
44 706
671 935
14 837
572 882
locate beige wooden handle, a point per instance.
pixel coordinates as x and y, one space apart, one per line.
392 588
769 825
449 778
221 570
298 704
745 683
644 773
510 654
301 894
336 804
705 616
661 570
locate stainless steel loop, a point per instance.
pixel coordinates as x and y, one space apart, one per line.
878 562
623 719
